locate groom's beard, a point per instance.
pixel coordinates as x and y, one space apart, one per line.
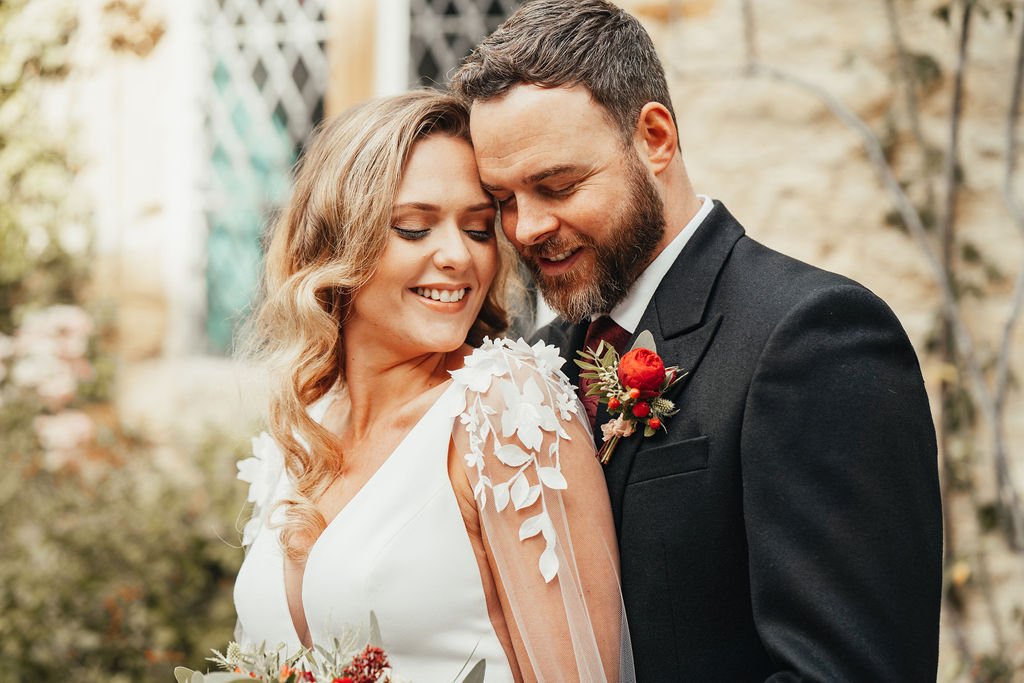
633 236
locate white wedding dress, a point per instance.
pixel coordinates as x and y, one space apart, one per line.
400 547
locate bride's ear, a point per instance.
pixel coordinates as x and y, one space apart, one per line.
656 137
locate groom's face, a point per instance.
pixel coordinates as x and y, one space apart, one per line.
576 201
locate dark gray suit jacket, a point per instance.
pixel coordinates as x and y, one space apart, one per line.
787 527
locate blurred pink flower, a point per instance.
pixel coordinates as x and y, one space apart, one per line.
6 351
62 437
49 352
60 330
6 347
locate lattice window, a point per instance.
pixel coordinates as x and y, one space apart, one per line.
269 76
442 32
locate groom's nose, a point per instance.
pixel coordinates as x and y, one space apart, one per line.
534 223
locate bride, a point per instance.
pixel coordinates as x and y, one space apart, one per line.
414 467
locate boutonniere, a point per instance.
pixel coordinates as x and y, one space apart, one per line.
633 387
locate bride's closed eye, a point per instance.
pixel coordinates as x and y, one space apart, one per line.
480 232
475 234
410 234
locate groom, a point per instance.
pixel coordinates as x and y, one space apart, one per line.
785 525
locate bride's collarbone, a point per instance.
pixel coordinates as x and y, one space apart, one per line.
366 446
381 419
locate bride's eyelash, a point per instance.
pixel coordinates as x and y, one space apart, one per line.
480 235
408 234
412 235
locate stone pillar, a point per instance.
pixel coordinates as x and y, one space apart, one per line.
660 11
351 49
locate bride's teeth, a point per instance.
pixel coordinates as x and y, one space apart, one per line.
442 295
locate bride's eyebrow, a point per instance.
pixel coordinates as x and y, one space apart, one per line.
423 206
418 206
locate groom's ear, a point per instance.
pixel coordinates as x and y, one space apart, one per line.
656 136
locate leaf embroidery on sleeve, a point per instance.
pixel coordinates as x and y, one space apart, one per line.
513 434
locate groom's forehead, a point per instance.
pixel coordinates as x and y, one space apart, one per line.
528 113
530 97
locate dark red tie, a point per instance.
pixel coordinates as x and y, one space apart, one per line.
607 330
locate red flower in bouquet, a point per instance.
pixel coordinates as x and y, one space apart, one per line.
367 666
644 370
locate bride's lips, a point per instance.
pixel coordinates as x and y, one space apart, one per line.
444 298
553 264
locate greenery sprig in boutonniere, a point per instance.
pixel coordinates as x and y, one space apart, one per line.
632 387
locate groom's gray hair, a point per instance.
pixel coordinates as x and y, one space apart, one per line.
565 43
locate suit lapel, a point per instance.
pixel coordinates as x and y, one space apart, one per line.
575 335
682 327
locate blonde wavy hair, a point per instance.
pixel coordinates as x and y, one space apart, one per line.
324 246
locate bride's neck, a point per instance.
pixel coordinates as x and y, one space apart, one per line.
378 383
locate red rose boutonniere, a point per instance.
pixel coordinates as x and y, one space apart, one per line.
632 387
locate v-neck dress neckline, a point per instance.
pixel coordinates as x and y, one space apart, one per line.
398 548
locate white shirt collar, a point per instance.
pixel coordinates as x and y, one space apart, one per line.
629 311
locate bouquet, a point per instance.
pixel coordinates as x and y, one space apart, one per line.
347 661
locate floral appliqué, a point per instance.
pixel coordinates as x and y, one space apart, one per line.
536 399
262 471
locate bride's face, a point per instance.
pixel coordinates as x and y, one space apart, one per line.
440 259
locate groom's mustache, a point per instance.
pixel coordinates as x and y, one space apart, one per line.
553 247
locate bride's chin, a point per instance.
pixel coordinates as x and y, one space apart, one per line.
443 343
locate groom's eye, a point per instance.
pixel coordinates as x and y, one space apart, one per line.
561 191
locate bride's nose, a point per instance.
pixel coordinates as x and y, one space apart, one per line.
451 252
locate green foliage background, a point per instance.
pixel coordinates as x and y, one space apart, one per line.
118 579
119 571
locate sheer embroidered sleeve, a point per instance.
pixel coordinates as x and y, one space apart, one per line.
544 513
